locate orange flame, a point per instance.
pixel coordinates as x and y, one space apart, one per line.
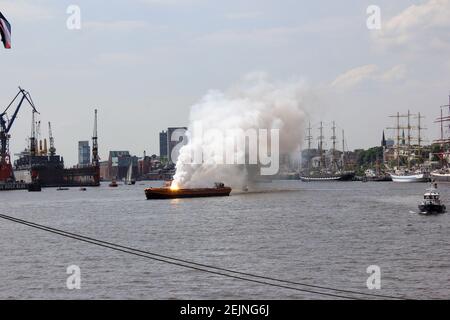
174 186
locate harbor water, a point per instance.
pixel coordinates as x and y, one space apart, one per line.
324 234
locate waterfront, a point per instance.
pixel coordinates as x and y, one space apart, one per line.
318 233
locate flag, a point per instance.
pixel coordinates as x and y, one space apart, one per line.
5 31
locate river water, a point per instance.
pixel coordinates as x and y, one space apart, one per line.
324 234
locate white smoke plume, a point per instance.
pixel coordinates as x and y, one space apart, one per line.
255 102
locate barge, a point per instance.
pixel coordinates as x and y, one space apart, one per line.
220 190
9 186
344 176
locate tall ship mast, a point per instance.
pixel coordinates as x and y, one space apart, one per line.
443 174
321 138
408 149
309 138
323 165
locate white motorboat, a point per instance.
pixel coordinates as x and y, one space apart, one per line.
431 203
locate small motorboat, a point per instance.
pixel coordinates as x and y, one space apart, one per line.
83 189
113 184
35 186
431 203
62 189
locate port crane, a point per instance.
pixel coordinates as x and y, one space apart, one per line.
95 157
52 150
6 123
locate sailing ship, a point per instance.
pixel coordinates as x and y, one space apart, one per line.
408 152
129 178
410 177
332 170
443 174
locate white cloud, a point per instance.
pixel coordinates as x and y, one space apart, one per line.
394 74
369 72
420 26
354 76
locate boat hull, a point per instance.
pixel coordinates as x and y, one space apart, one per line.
439 177
432 209
416 178
331 177
9 186
50 172
34 187
167 193
381 178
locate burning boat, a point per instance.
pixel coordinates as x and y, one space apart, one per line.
174 192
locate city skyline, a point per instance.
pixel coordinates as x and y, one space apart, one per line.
143 64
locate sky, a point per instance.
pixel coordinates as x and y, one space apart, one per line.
144 63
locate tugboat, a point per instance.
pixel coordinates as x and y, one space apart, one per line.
174 192
431 203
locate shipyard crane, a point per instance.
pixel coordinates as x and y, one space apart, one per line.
52 150
95 157
6 123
